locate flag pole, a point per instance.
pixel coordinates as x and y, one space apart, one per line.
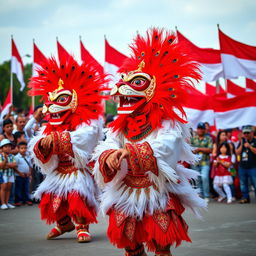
33 70
11 78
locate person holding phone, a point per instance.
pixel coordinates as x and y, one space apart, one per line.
247 167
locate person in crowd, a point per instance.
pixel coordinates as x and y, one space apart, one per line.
208 131
33 123
20 123
221 137
8 134
23 175
223 178
247 167
202 144
229 134
7 166
7 116
20 137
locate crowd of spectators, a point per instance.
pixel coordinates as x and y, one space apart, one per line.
226 160
18 176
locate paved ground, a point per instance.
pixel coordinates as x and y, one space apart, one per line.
227 230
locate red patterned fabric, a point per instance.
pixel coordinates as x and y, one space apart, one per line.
54 208
107 174
141 158
166 228
62 143
43 155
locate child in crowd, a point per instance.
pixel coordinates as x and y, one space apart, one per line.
23 175
7 166
223 177
7 134
20 137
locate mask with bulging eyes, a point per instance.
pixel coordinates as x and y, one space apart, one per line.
132 90
61 103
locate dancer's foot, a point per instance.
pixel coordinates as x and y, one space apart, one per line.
163 253
137 252
60 229
83 235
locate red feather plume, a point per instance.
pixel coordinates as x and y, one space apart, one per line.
175 72
85 79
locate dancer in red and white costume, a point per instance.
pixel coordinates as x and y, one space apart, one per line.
63 148
145 187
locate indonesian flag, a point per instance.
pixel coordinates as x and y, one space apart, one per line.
212 90
235 112
88 58
38 58
7 104
62 52
250 84
113 61
199 109
17 66
209 59
234 89
238 59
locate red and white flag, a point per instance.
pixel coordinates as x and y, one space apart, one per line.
17 66
234 89
62 52
238 59
88 58
7 104
250 84
113 61
211 90
199 109
38 58
209 59
235 112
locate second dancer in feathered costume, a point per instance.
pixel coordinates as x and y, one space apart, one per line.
139 165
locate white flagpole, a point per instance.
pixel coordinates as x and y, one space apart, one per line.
33 70
11 80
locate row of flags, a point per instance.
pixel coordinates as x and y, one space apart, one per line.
233 59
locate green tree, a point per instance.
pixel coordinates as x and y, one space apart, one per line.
20 98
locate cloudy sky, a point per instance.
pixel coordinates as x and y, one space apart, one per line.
119 20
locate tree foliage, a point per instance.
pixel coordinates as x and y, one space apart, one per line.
20 98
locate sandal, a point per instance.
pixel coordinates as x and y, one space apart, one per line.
83 235
244 201
137 252
59 230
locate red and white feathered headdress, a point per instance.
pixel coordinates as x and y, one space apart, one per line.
154 83
72 93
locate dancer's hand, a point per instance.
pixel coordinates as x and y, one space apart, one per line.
114 160
46 142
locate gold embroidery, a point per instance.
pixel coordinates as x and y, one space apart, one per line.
120 218
137 181
162 219
129 229
56 203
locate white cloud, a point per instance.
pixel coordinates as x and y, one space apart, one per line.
10 5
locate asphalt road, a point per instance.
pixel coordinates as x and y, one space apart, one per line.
227 230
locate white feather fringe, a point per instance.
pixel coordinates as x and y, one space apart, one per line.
61 185
170 146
